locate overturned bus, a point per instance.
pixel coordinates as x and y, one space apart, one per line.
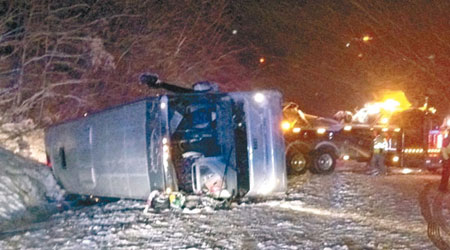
224 144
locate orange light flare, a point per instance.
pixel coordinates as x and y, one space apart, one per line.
388 103
384 120
367 38
262 60
395 101
285 125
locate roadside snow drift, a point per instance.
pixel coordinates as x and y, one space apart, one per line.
26 190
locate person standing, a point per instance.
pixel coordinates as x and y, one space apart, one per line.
445 152
377 162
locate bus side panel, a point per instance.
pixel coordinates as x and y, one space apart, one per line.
104 154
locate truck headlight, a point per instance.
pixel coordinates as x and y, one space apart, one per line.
321 131
395 158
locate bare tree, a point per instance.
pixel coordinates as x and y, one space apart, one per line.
182 41
46 54
61 59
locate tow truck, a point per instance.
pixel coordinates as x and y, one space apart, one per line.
310 141
315 143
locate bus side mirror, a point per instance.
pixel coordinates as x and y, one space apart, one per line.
151 80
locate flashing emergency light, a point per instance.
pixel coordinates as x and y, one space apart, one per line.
321 130
390 105
395 158
367 38
285 125
384 120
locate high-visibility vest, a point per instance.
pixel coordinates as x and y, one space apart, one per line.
379 144
445 150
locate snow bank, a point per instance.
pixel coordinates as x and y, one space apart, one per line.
23 138
26 187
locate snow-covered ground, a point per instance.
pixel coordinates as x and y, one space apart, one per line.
344 210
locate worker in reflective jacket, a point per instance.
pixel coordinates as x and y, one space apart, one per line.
445 152
379 150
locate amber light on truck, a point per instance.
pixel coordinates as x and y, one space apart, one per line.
296 130
384 120
321 131
413 150
395 158
285 125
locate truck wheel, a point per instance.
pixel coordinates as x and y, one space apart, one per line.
296 159
296 163
323 161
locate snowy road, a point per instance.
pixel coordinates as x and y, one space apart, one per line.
344 210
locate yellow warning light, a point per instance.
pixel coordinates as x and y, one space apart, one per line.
321 130
394 101
384 120
367 38
285 125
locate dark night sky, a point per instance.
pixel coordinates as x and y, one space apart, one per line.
316 55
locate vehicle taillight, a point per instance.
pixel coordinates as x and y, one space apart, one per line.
49 162
435 139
